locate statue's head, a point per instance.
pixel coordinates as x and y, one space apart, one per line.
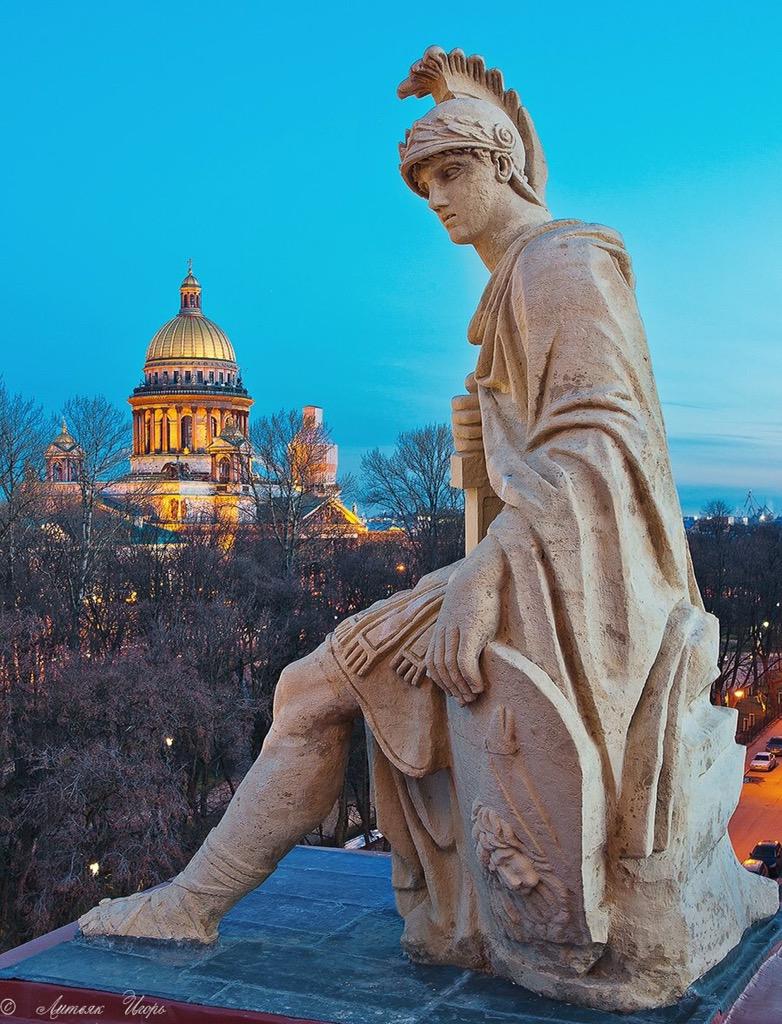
476 152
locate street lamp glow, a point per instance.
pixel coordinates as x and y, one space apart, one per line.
94 868
765 623
169 741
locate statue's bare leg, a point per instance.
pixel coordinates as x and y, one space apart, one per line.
289 790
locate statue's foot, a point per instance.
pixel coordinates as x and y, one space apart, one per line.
164 913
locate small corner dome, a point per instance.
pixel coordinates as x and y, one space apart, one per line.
64 443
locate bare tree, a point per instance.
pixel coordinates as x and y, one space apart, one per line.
413 485
101 431
22 440
738 566
290 455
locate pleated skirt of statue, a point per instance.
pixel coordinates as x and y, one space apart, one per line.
414 792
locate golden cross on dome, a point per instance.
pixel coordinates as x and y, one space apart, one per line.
190 264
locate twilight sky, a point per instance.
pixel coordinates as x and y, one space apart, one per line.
261 140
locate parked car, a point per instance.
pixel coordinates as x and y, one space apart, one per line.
763 762
770 852
774 745
757 867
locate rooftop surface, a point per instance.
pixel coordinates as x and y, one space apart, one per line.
319 941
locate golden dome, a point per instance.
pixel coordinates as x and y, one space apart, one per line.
189 335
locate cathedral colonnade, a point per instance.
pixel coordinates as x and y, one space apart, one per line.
187 427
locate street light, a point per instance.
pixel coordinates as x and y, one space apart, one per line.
94 868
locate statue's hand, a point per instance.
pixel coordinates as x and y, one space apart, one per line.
468 621
466 424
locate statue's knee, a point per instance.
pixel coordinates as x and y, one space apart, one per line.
306 693
290 689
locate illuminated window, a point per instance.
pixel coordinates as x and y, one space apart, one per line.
187 431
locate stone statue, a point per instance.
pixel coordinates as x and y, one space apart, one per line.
551 775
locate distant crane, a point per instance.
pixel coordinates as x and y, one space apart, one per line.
754 512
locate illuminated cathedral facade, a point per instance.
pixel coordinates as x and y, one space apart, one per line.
191 461
191 455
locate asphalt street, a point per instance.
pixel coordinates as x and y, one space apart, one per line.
759 813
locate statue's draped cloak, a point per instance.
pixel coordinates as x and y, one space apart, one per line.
591 528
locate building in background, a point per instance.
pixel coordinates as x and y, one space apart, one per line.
64 459
191 453
322 473
191 460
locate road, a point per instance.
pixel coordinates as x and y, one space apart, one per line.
759 813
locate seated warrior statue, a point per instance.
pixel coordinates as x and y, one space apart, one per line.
552 778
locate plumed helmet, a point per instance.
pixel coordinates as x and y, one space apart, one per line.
473 111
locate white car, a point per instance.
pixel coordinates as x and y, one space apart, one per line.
763 761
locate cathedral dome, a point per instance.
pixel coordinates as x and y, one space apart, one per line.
190 335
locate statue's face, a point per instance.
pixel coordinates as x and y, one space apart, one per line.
465 190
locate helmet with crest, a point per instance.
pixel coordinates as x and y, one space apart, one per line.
473 111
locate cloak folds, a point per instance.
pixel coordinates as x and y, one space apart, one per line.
600 611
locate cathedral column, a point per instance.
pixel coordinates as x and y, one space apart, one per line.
173 430
158 442
200 428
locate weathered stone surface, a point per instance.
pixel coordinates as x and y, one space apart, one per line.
548 768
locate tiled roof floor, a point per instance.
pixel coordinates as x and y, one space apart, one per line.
320 941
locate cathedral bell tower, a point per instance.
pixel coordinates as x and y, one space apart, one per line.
64 458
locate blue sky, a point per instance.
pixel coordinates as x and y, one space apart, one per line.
261 141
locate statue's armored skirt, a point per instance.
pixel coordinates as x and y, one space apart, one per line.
529 826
